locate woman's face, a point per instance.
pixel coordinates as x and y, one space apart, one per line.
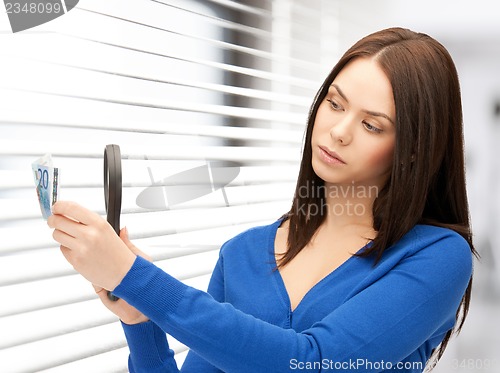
354 133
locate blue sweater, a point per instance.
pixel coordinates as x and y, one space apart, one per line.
360 318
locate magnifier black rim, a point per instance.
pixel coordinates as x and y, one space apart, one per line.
113 190
113 185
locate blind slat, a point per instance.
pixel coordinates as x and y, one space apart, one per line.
251 72
73 289
230 25
262 13
222 132
26 268
228 111
221 44
14 359
51 50
174 221
89 150
137 177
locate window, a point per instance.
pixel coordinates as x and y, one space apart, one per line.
208 101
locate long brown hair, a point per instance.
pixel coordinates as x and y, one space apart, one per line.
428 171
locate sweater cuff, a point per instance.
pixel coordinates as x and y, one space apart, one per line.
149 350
144 279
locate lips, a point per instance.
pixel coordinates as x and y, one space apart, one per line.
330 156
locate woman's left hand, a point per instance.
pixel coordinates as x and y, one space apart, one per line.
90 244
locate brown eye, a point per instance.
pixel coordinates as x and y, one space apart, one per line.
334 105
372 128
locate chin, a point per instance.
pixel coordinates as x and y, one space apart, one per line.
325 173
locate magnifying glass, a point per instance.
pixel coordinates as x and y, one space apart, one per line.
113 190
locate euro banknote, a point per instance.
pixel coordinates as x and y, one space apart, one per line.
47 183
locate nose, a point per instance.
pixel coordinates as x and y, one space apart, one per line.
341 131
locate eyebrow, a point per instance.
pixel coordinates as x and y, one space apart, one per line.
369 112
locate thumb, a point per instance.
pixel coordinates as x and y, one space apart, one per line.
124 237
98 289
131 246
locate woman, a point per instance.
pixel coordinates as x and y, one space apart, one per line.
371 268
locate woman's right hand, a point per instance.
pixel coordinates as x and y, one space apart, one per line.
128 314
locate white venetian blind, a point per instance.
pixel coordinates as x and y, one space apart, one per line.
208 102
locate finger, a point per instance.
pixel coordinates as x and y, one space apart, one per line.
124 237
131 246
69 242
66 225
103 295
67 254
75 211
141 253
97 288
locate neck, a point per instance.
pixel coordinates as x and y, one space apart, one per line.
349 205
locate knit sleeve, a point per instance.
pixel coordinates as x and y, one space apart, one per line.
383 323
149 349
194 363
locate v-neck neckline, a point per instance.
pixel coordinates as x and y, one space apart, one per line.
281 288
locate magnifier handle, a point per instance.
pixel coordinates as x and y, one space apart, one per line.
113 190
